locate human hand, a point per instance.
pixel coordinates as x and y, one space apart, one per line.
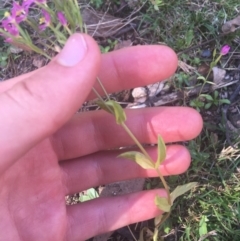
47 151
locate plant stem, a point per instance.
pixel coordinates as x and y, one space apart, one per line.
105 92
165 186
68 30
147 155
96 93
137 142
213 64
163 220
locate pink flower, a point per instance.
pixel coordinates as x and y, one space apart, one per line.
9 25
45 20
62 19
19 12
225 49
27 3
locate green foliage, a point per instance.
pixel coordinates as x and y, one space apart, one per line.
181 80
197 103
203 226
214 100
162 152
206 101
157 3
3 58
114 108
139 158
96 3
181 24
217 197
162 204
110 46
180 190
191 60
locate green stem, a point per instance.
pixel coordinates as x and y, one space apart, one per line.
96 93
79 16
100 97
31 24
104 90
165 186
137 142
147 155
213 63
39 51
68 30
58 34
163 220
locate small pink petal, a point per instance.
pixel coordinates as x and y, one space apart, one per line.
225 49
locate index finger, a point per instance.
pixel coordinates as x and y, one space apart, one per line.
126 68
136 66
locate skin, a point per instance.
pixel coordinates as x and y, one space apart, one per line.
47 151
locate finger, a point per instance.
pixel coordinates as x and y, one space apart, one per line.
136 66
100 129
105 167
36 107
110 213
127 68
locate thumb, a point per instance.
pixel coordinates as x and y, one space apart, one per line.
40 104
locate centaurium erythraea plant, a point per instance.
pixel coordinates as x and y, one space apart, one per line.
224 50
13 30
45 20
69 17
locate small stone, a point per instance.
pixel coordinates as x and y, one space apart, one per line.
155 89
139 92
15 50
218 75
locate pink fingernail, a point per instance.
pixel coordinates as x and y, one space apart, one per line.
73 52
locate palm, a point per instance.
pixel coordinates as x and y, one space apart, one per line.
35 204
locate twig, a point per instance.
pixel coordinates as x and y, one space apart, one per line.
131 233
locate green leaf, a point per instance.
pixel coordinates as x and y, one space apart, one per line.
139 158
180 190
88 195
201 78
225 101
162 203
208 105
161 151
203 226
215 94
189 37
114 108
208 97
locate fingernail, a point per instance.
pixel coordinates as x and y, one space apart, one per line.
73 52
